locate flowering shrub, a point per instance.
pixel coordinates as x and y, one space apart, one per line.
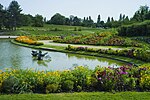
105 38
140 54
27 40
145 76
125 78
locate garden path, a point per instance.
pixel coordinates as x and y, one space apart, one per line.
50 42
5 37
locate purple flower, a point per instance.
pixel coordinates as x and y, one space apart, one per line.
124 72
99 78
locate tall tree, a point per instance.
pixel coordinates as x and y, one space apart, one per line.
140 15
108 23
90 22
1 16
98 24
120 18
14 11
99 19
38 21
76 21
58 19
26 20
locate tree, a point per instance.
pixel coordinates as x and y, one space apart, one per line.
26 20
112 19
1 16
120 18
98 24
44 19
38 21
57 19
89 22
67 21
76 21
141 14
108 23
14 11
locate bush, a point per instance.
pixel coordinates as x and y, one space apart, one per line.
145 77
136 29
67 85
140 54
52 88
27 40
125 78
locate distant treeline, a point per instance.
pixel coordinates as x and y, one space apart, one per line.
11 17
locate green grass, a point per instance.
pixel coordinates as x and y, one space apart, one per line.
49 30
54 47
80 96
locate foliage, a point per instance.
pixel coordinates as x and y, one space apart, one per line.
52 88
104 38
67 85
140 54
125 78
145 76
57 19
38 21
136 29
27 40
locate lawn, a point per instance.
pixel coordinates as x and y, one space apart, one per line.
56 30
80 96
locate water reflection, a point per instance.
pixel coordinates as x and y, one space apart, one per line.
104 61
43 62
20 57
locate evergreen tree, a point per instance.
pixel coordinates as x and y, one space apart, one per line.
141 14
112 19
14 11
120 18
108 23
76 21
98 24
1 16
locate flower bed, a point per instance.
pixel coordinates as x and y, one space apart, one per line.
105 38
27 40
140 54
125 78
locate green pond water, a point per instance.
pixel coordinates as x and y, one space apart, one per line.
14 56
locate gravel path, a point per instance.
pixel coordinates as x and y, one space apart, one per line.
5 37
50 42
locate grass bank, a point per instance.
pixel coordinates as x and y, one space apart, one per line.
80 96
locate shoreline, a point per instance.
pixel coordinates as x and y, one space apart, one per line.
113 57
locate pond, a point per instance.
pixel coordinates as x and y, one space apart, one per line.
14 56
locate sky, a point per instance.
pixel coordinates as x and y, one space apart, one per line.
80 8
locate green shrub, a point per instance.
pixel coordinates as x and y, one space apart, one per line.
79 29
75 29
141 54
136 29
52 88
124 78
67 85
39 43
8 85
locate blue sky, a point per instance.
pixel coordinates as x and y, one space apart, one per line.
80 8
